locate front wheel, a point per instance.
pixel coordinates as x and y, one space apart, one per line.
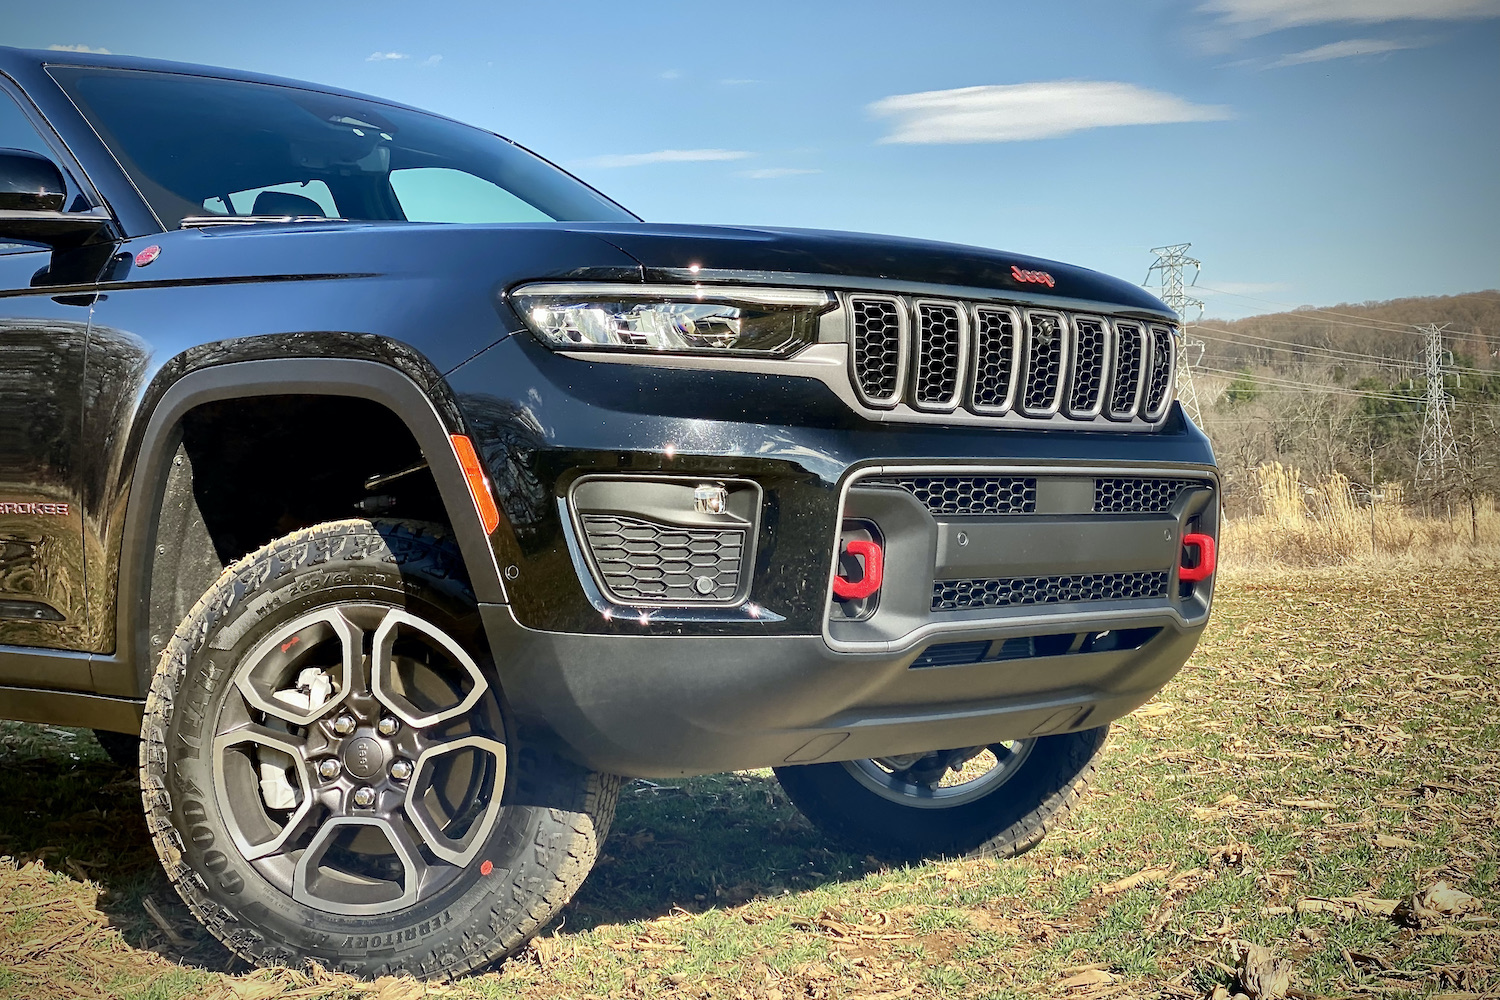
330 774
998 800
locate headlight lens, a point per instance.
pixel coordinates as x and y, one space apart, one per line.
672 318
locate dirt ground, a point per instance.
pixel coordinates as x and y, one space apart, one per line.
1331 752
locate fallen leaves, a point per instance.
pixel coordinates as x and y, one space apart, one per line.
1140 878
1427 908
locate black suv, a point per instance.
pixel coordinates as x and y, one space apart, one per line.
399 492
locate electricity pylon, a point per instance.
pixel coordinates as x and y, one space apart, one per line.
1438 454
1172 261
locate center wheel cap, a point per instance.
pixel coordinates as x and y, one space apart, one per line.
364 757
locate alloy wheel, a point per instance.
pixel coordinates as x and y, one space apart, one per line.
359 759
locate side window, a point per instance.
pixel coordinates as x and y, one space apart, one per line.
293 198
442 194
17 132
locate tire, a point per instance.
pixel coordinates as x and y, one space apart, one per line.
122 748
445 867
890 808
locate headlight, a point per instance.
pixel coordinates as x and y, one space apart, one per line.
690 319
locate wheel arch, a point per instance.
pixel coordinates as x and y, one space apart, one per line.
371 381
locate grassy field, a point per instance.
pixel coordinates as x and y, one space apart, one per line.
1333 748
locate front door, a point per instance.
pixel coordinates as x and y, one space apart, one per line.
43 339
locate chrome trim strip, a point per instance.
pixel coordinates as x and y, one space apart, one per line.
922 633
918 348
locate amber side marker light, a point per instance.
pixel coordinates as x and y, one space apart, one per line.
479 486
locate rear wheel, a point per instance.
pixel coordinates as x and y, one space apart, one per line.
998 800
330 775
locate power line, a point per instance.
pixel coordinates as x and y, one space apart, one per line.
1338 353
1391 326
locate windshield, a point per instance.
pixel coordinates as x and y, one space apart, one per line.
206 148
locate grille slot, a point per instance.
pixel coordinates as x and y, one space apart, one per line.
1046 356
878 354
1159 379
643 561
940 351
962 595
1129 366
997 341
967 494
1090 358
1131 495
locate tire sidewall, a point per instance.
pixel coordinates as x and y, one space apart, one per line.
252 915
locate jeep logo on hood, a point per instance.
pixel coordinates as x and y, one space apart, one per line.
1032 277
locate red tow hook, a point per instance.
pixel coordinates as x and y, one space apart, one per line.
1208 558
874 571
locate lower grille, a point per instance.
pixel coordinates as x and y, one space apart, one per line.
642 560
967 494
962 595
1129 495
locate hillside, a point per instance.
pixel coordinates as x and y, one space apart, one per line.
1379 329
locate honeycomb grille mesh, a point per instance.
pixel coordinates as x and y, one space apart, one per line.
877 348
1131 495
1159 383
1044 362
1125 387
962 595
994 358
1089 351
642 560
939 333
967 494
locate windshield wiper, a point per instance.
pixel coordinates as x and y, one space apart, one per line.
200 221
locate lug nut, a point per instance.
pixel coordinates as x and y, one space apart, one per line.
364 797
329 768
401 770
387 726
344 725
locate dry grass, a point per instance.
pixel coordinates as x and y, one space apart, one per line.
1332 749
1324 524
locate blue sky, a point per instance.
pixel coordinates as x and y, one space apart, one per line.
1312 151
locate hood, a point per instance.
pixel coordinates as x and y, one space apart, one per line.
672 252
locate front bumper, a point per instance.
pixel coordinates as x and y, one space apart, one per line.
667 706
659 693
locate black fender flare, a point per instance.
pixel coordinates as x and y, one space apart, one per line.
369 380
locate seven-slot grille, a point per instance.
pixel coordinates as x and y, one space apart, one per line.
939 355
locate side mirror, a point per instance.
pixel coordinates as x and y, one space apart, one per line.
30 182
32 197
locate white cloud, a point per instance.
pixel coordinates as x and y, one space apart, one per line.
612 160
737 83
78 48
1342 50
383 56
1258 17
432 60
1016 112
670 74
770 173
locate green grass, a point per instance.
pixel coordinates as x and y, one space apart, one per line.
1379 695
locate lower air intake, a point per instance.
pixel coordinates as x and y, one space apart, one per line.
963 595
642 560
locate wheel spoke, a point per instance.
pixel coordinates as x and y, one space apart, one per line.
285 675
462 849
252 827
462 682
